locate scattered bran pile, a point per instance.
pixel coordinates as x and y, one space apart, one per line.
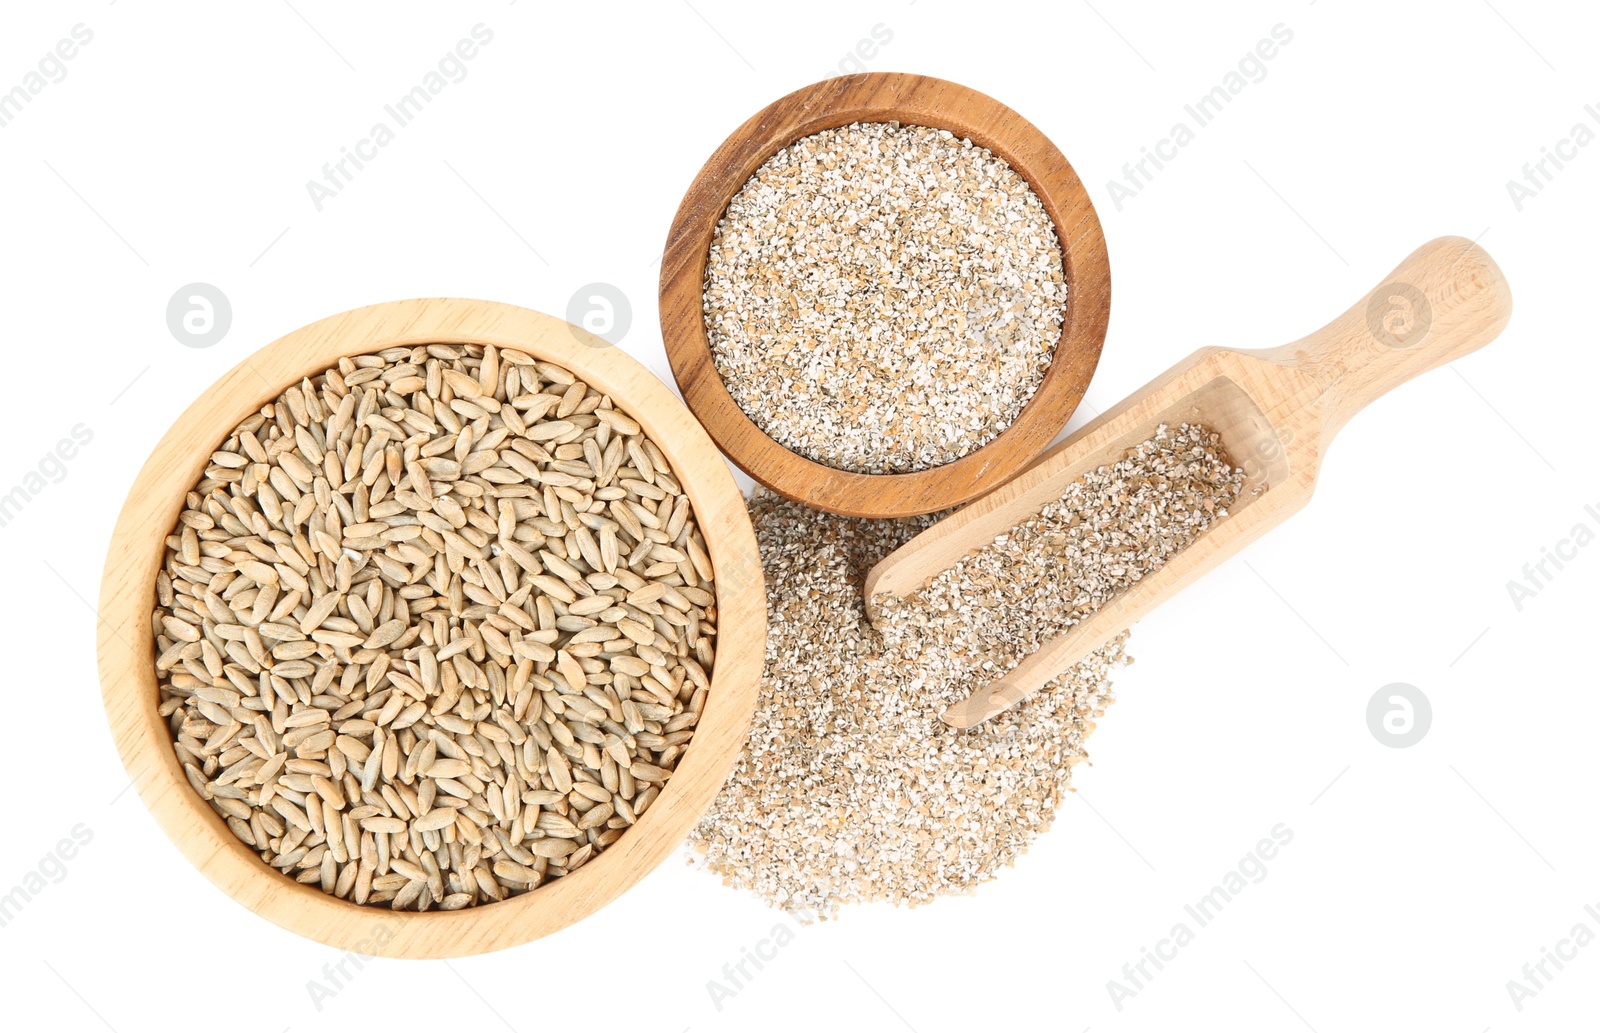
851 789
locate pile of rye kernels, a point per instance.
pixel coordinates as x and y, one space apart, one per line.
434 627
851 789
884 298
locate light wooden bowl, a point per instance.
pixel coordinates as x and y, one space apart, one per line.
126 645
914 100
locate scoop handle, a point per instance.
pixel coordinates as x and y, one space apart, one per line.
1447 299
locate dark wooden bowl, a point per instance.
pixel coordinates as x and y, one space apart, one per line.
913 100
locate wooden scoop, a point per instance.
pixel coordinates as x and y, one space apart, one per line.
1276 411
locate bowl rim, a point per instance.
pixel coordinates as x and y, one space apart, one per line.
129 686
913 100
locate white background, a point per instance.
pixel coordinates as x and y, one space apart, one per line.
1419 881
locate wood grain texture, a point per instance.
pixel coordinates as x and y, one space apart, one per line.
915 100
126 646
1276 411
